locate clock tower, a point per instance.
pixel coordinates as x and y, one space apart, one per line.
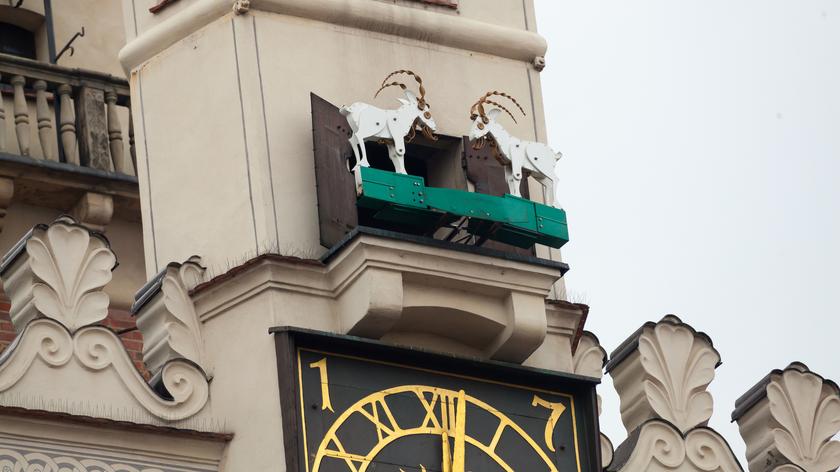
250 159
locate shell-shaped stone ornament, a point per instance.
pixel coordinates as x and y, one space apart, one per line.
808 413
679 367
71 267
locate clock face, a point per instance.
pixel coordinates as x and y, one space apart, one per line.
356 406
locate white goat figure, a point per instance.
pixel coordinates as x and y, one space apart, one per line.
514 153
370 123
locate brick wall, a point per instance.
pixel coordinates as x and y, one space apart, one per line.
120 321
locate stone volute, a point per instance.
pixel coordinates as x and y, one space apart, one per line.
788 421
54 277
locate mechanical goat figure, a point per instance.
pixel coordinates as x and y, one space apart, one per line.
512 152
370 123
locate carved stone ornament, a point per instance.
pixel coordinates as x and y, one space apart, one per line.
673 364
97 349
11 460
658 446
58 271
589 359
788 421
167 318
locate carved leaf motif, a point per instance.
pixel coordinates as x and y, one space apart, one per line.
589 357
679 368
183 326
808 420
73 267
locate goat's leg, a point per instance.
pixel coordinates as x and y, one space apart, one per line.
354 142
364 162
396 152
513 184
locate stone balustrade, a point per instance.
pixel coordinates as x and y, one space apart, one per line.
59 114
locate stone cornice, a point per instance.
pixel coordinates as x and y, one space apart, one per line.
378 286
449 30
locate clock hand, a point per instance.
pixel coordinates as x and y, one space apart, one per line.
460 433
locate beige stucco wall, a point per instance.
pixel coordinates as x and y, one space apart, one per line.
104 33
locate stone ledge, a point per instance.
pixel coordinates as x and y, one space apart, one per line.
404 291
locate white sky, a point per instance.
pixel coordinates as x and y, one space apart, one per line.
701 176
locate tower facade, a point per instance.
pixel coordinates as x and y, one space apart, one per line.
350 256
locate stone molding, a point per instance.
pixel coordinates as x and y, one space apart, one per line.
788 421
58 271
662 371
36 443
98 349
658 445
450 30
167 318
13 460
94 210
389 289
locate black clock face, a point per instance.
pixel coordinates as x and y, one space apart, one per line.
359 406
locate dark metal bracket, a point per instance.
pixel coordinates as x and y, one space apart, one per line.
79 34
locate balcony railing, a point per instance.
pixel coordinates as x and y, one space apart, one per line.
59 114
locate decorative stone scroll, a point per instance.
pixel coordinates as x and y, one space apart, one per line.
167 318
589 359
788 421
673 364
98 349
58 271
659 446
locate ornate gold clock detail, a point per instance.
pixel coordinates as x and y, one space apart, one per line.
444 416
351 405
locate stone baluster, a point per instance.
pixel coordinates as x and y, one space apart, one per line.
92 129
21 115
2 122
788 421
67 125
115 137
42 115
131 149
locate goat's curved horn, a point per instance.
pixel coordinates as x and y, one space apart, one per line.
479 105
392 84
421 100
503 108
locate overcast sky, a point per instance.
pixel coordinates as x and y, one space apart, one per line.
701 176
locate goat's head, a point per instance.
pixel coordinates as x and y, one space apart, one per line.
424 113
482 119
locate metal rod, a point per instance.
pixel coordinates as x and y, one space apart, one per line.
68 46
50 30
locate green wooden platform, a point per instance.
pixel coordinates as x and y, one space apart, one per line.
405 200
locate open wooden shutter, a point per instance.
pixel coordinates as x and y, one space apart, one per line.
488 176
335 186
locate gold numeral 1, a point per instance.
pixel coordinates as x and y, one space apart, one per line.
557 409
325 384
